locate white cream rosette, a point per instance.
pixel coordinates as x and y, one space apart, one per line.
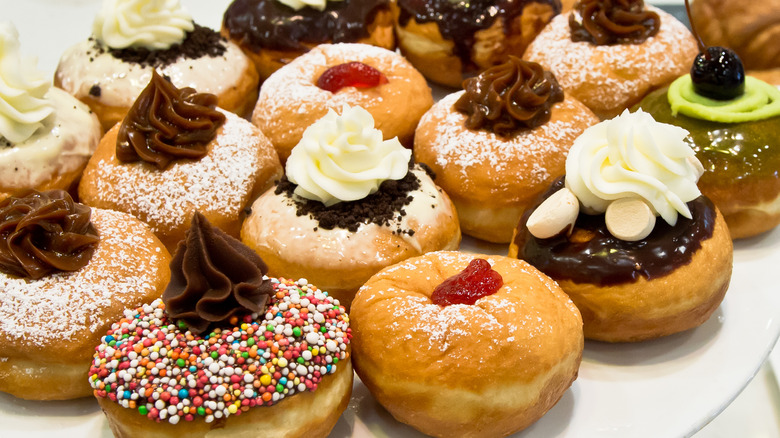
632 155
152 24
23 105
299 4
344 158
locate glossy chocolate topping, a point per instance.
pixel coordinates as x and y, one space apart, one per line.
214 277
269 24
592 255
516 94
459 20
166 123
604 22
44 232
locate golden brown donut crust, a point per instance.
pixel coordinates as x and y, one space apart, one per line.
752 30
239 98
492 180
129 261
648 309
608 79
167 199
290 100
306 414
425 47
749 206
267 61
504 361
340 261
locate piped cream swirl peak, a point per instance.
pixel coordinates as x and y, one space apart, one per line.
633 156
604 22
23 105
214 277
510 96
300 4
166 123
151 24
344 158
759 101
44 232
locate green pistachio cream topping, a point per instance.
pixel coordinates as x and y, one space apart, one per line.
760 101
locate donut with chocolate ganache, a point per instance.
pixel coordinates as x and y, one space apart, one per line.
449 41
332 75
245 352
609 55
350 204
489 334
499 143
46 135
274 32
109 69
66 273
632 277
734 126
176 153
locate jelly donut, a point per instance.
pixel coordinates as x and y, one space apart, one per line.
493 336
499 143
46 135
174 154
66 273
632 283
733 122
350 204
450 40
333 75
274 32
226 352
609 55
131 38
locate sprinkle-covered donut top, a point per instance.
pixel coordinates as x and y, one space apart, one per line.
150 363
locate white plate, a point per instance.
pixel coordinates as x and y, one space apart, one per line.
663 388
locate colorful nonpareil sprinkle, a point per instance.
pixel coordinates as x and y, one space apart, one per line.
149 363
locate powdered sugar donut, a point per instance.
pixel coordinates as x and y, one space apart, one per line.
290 99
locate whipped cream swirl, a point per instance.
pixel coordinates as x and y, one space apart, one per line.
632 155
23 106
344 158
300 4
151 24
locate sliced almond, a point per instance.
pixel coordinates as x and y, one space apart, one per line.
555 215
696 165
629 219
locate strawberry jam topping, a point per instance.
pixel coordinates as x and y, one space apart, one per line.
350 74
476 281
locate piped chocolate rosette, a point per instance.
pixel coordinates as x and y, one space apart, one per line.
604 22
224 341
733 122
595 231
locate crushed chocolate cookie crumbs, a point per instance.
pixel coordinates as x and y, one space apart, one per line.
382 208
202 41
94 90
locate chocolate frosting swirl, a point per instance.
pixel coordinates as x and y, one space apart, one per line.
44 232
516 94
604 22
214 277
166 123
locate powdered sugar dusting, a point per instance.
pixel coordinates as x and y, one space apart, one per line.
66 304
219 182
636 68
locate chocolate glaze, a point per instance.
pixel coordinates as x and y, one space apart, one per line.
604 22
459 20
508 97
593 255
268 24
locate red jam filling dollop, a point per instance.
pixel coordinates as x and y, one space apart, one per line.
476 281
351 74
